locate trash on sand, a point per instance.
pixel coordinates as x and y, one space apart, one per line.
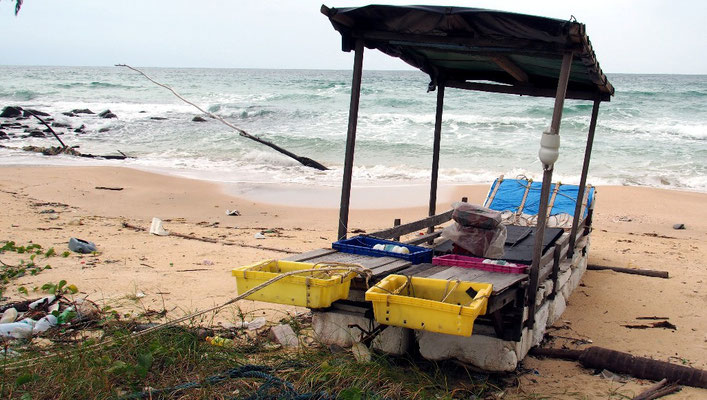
256 323
679 226
16 330
219 341
207 262
156 227
81 246
259 236
9 316
42 302
284 335
361 352
234 213
45 323
606 374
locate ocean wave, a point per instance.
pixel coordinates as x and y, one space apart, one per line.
20 95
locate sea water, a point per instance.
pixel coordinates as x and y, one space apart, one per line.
653 132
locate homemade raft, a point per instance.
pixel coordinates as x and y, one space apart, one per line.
466 305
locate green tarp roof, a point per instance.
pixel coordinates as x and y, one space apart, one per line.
460 45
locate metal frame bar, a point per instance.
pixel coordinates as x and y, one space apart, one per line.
351 140
545 191
583 180
435 152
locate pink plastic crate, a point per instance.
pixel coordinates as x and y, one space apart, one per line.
455 260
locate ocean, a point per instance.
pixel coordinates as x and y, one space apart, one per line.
652 133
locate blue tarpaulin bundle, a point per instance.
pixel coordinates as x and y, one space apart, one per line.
509 197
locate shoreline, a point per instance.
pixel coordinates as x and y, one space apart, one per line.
632 228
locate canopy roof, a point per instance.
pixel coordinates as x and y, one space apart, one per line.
458 45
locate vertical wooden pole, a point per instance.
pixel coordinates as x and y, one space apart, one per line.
350 140
583 178
435 152
396 222
545 190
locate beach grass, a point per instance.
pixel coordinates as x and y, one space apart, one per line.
177 362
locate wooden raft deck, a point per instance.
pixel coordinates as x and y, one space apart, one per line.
505 285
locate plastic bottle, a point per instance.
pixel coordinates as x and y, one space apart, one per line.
16 330
9 316
44 324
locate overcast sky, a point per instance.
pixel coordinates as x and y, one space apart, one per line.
648 36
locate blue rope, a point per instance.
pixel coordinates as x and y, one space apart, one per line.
273 388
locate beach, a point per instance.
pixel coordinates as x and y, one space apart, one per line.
134 271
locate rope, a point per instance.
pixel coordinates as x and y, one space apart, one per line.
285 390
355 268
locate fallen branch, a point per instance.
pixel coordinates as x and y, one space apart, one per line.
108 188
644 272
47 125
660 389
624 363
211 240
308 162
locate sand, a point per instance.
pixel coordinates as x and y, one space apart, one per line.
136 272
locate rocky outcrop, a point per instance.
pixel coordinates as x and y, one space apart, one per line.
11 112
107 114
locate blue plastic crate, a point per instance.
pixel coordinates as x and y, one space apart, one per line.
364 245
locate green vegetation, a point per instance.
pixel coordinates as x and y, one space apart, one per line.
9 272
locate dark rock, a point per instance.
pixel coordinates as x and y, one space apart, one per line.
142 112
47 130
69 114
158 118
37 133
103 130
107 114
21 118
81 111
80 129
60 125
28 113
679 226
198 119
3 135
11 112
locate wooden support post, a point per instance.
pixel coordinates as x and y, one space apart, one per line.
583 180
396 222
350 140
545 191
435 152
555 275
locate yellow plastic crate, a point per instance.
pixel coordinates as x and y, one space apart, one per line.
313 289
433 305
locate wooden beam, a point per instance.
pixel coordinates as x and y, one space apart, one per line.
512 68
526 90
583 179
545 190
350 140
414 226
435 152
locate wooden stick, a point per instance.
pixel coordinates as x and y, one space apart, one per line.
644 272
658 390
47 125
210 240
308 162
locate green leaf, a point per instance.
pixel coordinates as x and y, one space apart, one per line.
25 378
72 289
350 394
22 290
25 396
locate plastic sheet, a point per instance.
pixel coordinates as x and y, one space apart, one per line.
477 230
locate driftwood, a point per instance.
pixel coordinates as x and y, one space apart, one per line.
109 188
660 389
47 125
624 363
211 240
308 162
644 272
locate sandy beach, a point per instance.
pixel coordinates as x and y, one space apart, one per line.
136 271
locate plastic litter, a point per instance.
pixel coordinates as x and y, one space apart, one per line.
259 236
219 341
256 323
81 246
234 213
156 228
45 323
41 302
16 330
477 230
9 316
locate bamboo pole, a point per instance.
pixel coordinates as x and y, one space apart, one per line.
350 140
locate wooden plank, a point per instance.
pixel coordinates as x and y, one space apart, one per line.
414 226
512 68
527 90
500 281
365 261
435 152
422 270
390 268
307 255
423 238
350 141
